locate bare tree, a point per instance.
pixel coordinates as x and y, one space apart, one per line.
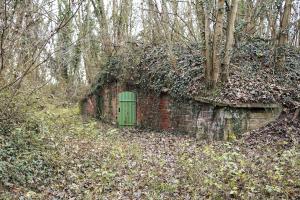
229 39
284 23
283 33
203 25
217 41
100 14
26 39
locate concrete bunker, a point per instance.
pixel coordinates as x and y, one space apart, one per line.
197 116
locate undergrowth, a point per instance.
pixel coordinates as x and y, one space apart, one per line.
26 159
48 152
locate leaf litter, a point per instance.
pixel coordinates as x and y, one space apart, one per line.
98 161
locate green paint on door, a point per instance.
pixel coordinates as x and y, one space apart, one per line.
127 109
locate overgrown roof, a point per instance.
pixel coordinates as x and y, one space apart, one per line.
179 70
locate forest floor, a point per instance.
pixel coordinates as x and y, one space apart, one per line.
72 159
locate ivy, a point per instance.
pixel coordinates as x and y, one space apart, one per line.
156 68
179 70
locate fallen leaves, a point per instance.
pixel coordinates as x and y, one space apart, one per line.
97 161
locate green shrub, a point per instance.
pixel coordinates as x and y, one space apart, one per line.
24 158
11 113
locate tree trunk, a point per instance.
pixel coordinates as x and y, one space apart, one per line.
203 25
175 25
155 21
284 24
284 33
252 8
189 23
166 21
101 16
217 40
123 23
64 41
272 26
229 39
299 33
114 20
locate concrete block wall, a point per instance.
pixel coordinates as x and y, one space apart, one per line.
182 116
261 118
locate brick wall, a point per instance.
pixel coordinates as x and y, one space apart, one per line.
147 110
110 102
164 113
88 106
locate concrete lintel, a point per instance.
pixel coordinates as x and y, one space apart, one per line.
255 105
237 105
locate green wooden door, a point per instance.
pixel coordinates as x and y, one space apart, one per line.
127 109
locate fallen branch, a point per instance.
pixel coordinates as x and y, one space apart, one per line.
296 114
